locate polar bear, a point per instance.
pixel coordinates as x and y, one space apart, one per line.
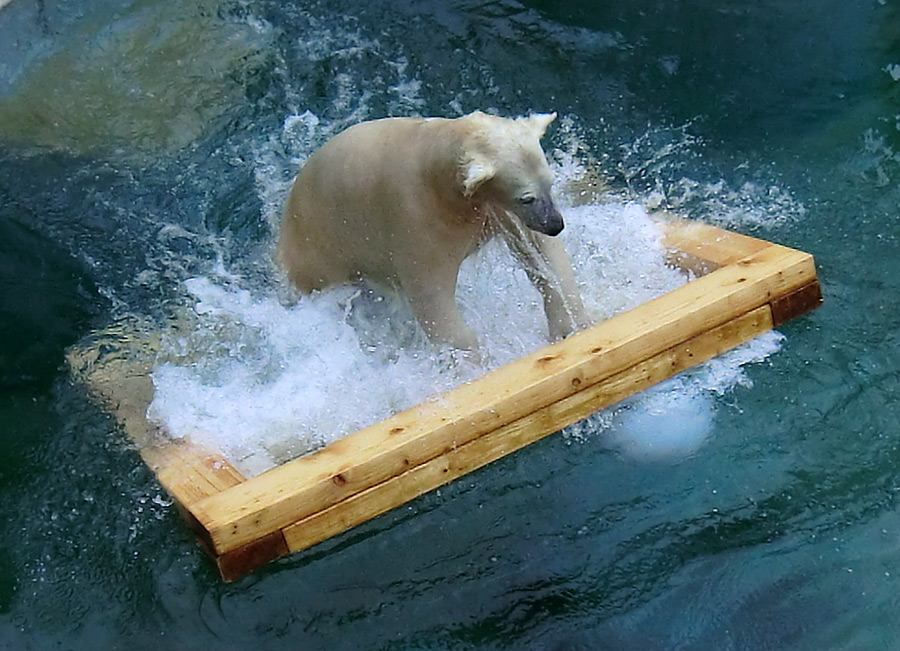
404 200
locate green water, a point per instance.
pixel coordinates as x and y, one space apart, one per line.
121 121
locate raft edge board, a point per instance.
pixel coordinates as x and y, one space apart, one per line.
494 445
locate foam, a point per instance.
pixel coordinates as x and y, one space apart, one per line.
671 421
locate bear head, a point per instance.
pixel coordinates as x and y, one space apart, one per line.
504 167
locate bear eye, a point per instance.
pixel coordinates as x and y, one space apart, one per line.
527 199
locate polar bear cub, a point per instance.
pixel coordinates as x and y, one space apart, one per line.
405 200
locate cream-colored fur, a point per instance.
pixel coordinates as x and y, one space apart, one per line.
405 200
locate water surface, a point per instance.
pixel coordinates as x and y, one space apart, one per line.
142 145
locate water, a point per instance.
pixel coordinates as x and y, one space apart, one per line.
767 520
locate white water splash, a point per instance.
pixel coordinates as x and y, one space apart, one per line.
263 382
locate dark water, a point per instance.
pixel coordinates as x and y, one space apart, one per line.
136 149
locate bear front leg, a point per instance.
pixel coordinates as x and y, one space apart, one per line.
433 299
549 269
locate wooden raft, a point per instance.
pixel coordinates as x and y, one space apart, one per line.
749 286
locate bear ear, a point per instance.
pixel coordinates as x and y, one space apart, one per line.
475 172
538 122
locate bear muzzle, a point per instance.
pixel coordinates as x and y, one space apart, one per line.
541 215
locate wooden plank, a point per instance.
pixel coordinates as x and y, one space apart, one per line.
190 473
796 303
243 560
711 246
300 488
494 445
122 385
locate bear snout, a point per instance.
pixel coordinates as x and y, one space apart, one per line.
541 215
555 226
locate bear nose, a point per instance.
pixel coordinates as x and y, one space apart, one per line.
550 218
540 214
555 227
